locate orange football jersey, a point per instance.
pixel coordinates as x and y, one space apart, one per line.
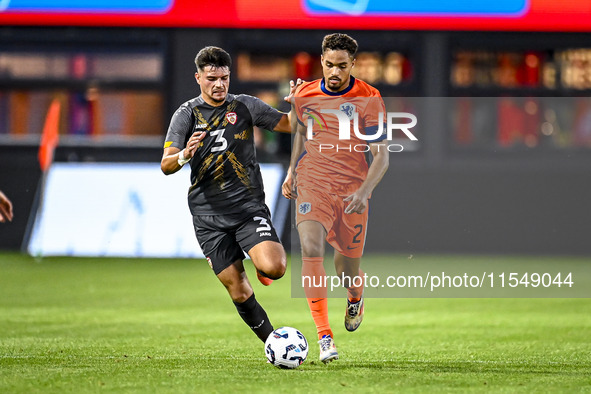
331 161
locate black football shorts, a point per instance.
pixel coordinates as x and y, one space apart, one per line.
223 238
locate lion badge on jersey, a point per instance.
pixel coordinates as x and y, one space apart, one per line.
348 109
231 117
304 208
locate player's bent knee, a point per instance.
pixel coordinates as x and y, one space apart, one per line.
277 270
274 267
269 258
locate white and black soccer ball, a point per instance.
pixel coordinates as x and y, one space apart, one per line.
286 347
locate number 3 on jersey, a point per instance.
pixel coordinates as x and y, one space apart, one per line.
264 224
219 138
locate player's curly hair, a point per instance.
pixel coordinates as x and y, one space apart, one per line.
214 57
340 42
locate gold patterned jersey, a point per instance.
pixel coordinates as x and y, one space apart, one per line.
225 175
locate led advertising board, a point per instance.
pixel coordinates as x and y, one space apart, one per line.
520 15
122 209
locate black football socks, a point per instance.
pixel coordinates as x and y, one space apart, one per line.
255 316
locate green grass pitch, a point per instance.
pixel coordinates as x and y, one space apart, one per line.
72 325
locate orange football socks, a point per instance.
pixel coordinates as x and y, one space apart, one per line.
314 275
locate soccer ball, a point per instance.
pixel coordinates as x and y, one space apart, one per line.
286 347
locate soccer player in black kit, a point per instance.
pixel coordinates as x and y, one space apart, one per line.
214 133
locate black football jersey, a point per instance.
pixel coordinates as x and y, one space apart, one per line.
225 175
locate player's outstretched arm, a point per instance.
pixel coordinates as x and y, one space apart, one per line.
5 208
173 159
379 166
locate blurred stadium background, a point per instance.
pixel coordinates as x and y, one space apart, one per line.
502 167
509 177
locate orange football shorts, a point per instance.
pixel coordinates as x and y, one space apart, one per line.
345 231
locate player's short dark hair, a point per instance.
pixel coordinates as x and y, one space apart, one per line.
340 42
214 57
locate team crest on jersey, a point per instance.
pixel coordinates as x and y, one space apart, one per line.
348 109
232 117
304 208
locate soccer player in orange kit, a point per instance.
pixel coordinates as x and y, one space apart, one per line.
334 181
